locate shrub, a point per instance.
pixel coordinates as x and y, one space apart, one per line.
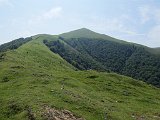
5 79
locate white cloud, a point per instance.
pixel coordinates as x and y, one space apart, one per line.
145 13
156 14
126 26
117 25
151 14
154 35
133 33
53 13
24 33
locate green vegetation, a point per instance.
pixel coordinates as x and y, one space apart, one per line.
87 50
32 77
156 50
74 57
14 44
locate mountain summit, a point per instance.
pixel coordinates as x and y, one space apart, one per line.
85 33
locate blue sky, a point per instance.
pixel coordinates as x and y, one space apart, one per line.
131 20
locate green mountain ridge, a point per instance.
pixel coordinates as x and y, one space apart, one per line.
34 78
85 49
109 54
86 33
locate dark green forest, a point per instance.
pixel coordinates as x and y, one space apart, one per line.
14 44
99 54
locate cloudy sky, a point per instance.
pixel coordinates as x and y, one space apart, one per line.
131 20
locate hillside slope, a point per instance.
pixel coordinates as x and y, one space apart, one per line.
86 33
14 44
33 79
104 53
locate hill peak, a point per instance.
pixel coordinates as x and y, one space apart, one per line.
83 32
84 29
87 33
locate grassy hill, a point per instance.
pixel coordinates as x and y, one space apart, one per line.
86 33
14 44
86 49
33 79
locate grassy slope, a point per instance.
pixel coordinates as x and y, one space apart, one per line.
86 33
32 76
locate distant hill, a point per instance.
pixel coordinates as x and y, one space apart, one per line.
38 84
86 33
14 44
86 50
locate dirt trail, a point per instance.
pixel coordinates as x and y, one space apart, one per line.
53 114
